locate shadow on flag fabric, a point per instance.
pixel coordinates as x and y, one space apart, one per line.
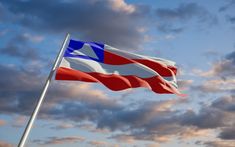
116 69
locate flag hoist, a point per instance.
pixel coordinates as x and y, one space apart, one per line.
44 91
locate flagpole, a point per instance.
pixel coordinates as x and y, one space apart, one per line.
40 100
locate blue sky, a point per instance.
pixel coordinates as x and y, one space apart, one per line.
197 35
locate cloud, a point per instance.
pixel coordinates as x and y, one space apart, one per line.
183 12
5 144
121 5
195 132
89 20
218 115
229 4
153 145
184 84
169 28
63 126
33 38
219 78
158 121
206 118
231 19
57 140
173 20
228 134
4 13
231 56
215 86
71 101
159 124
2 122
226 103
150 120
154 121
125 119
124 138
224 68
219 143
98 143
19 97
19 48
92 128
19 121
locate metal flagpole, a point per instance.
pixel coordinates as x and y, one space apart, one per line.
36 109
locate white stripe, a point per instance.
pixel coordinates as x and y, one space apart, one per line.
86 65
136 56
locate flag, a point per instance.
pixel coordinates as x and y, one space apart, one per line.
116 69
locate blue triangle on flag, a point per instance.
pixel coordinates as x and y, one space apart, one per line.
90 50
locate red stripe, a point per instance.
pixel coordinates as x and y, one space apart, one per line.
117 82
161 69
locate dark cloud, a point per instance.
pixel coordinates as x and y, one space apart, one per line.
149 120
206 118
173 20
19 48
229 4
225 103
218 143
4 14
80 111
57 140
231 19
158 124
98 20
231 56
228 134
183 12
219 78
125 119
19 88
169 28
1 12
15 51
226 67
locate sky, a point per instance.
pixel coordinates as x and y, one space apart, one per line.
197 34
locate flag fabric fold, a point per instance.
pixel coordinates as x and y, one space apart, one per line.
116 69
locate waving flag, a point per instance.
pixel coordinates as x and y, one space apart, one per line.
116 69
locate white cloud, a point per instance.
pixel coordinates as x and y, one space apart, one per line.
121 5
33 38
